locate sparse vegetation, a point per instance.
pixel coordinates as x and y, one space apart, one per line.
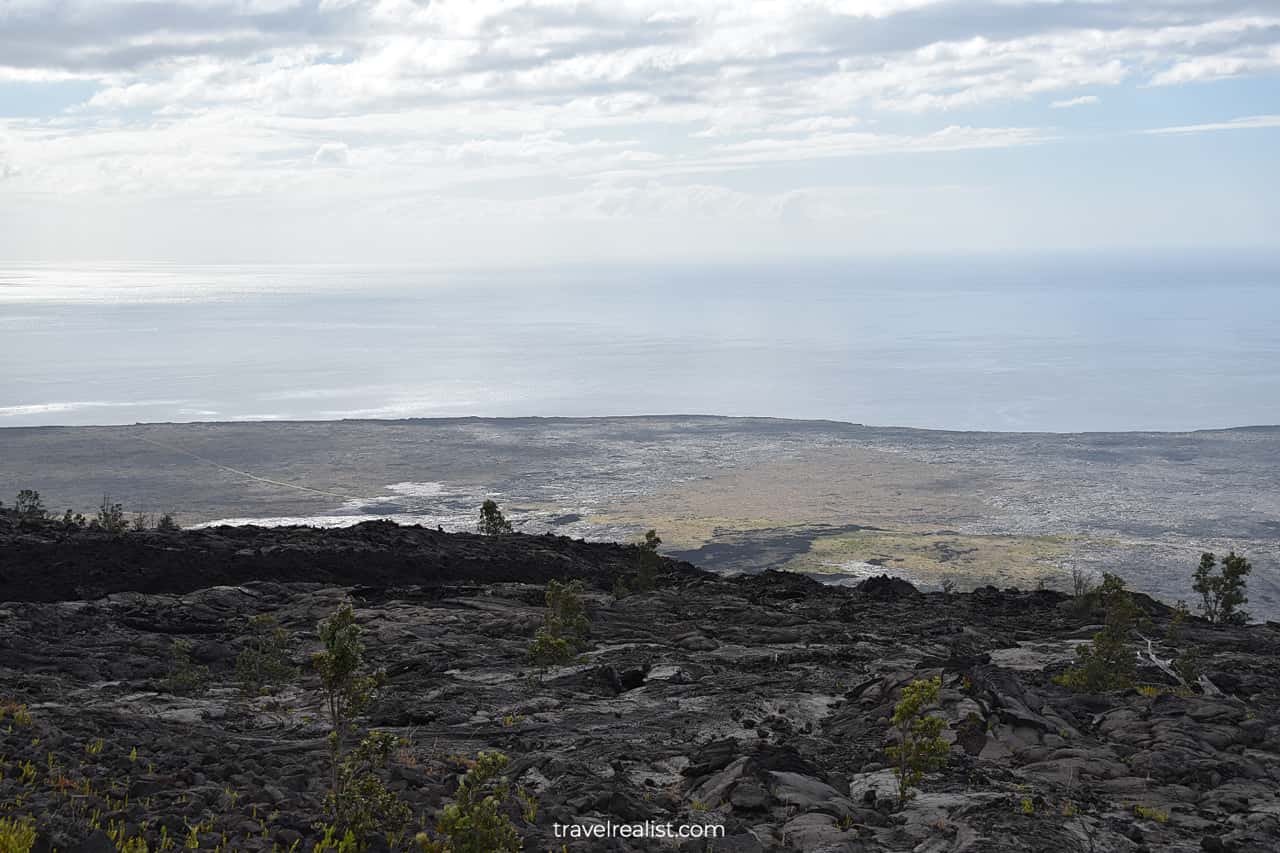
1107 663
475 822
492 521
1222 592
1083 583
565 627
110 517
28 505
361 805
166 522
264 664
17 834
920 747
648 561
347 687
186 677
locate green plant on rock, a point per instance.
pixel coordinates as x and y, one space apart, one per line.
920 747
1222 593
492 521
348 688
186 677
648 561
17 834
476 820
331 842
1108 662
166 522
264 663
565 627
361 804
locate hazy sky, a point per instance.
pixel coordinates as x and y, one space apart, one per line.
494 131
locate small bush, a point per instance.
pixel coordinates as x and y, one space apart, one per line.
492 521
1082 583
166 522
565 627
110 517
920 747
17 834
347 686
475 822
362 805
186 677
29 506
1107 663
1222 593
264 663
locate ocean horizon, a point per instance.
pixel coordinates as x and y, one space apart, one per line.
1051 343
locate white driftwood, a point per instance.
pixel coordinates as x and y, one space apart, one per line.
1166 666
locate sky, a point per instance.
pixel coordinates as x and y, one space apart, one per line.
487 132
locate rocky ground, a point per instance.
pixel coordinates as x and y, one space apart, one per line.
758 703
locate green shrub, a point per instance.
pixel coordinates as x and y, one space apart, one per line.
1222 593
362 805
475 822
186 677
1107 663
648 561
28 505
166 522
920 747
565 627
492 521
17 834
347 687
264 663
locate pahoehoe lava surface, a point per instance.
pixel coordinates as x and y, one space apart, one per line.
758 703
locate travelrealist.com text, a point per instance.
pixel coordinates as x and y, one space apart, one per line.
647 829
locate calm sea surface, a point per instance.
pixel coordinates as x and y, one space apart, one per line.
1048 344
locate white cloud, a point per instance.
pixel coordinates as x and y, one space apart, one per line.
1083 100
587 106
1248 123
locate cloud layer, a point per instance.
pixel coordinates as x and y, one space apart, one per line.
515 111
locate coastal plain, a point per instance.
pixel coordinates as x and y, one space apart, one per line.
838 501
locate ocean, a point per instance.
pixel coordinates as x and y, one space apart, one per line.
1058 343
